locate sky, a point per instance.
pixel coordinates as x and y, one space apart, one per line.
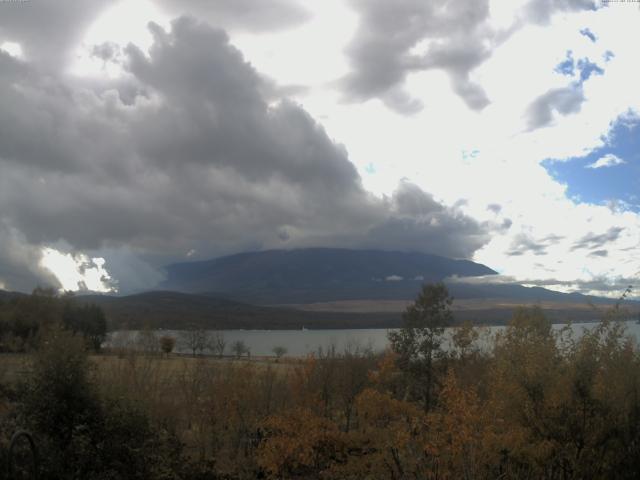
137 134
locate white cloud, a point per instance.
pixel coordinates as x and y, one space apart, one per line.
394 278
77 272
609 160
12 48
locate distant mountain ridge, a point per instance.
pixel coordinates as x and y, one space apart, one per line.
174 310
316 274
325 288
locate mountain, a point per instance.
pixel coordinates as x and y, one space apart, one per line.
514 291
316 275
7 295
173 310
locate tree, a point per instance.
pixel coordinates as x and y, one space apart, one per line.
279 351
217 343
194 340
239 348
89 320
167 344
418 342
463 339
59 395
147 341
82 431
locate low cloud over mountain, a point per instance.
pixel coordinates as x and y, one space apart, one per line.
187 152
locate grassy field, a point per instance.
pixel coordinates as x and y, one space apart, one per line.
398 306
15 367
211 404
19 363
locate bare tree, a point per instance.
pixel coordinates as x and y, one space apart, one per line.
239 348
147 341
120 341
194 340
216 343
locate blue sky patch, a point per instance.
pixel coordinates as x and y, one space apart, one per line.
610 173
567 67
587 68
589 34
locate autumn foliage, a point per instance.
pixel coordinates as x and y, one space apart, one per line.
532 402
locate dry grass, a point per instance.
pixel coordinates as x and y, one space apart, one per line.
14 367
393 306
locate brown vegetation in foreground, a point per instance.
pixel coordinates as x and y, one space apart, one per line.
537 404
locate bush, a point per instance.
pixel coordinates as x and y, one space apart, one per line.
167 344
81 435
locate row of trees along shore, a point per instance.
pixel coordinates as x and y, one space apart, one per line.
23 317
194 341
530 402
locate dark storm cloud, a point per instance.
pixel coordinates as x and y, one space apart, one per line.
418 223
187 153
596 241
19 268
565 101
381 56
456 36
243 14
46 29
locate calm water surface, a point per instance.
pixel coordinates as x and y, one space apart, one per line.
303 342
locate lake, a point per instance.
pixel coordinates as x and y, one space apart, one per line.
303 342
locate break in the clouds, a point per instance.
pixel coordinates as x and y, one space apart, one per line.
77 272
589 34
185 153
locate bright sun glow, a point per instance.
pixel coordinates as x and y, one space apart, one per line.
119 26
77 272
12 48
